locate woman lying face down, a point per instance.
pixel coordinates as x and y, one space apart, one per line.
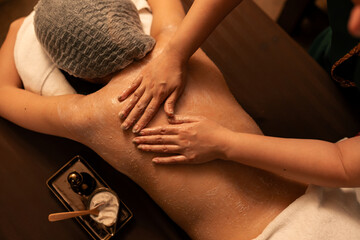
216 200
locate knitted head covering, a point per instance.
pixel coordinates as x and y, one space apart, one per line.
91 38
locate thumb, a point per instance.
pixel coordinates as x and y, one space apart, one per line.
170 102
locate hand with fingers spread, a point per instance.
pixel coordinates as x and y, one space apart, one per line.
161 80
191 139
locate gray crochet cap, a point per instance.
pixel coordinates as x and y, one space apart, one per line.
91 38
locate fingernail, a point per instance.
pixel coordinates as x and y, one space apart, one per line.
124 126
155 160
119 98
135 140
121 115
171 113
135 129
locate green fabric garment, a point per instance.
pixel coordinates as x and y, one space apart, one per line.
335 42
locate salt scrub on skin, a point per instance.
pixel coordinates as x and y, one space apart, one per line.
108 212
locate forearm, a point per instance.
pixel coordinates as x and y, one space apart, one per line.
38 113
200 21
309 161
187 34
167 16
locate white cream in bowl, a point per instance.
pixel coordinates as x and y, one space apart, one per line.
108 211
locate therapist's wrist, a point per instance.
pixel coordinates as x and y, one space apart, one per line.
232 145
176 49
223 146
174 56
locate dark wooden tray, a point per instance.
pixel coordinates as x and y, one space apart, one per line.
72 201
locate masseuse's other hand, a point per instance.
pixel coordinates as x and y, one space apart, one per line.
161 80
191 139
354 19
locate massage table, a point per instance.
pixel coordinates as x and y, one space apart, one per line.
274 79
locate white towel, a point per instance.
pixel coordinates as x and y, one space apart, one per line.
145 14
36 70
320 214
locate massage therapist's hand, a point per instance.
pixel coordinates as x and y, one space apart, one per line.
161 80
191 139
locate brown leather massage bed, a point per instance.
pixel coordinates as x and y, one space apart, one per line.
275 80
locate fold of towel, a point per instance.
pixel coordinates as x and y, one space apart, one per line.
37 72
321 214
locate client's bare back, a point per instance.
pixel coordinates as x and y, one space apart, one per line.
217 200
